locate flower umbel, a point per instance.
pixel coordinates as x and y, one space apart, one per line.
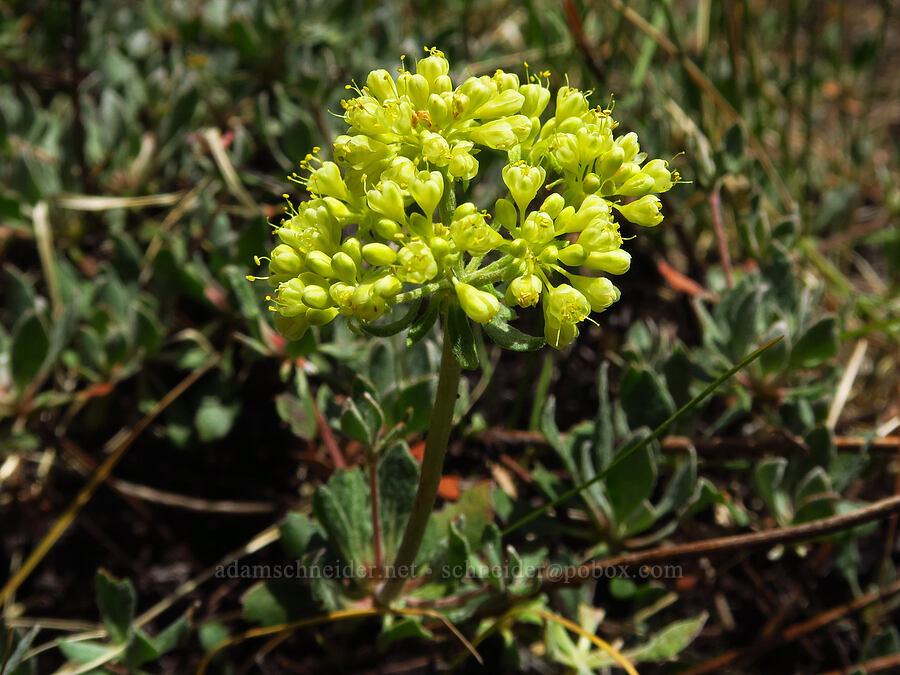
381 225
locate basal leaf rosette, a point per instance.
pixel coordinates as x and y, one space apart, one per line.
382 227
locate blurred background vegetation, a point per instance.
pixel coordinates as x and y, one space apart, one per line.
144 148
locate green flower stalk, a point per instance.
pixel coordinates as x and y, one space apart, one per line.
382 226
372 235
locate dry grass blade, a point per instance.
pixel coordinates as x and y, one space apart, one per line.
214 139
846 384
93 203
44 237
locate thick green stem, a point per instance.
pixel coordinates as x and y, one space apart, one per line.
439 426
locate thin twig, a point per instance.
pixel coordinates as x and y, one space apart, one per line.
872 666
711 447
721 545
715 207
328 438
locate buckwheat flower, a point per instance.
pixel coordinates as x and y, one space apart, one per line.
427 188
380 225
462 164
524 291
523 182
471 233
416 263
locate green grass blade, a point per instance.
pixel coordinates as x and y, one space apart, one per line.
625 454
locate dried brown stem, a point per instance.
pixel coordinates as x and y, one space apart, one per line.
724 446
721 545
715 207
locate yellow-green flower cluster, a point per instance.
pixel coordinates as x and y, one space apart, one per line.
382 226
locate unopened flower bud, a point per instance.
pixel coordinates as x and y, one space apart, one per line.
378 254
505 81
479 306
553 205
381 85
518 248
438 110
316 297
432 67
662 177
442 84
599 291
644 211
610 163
415 87
352 247
636 186
507 103
285 261
497 134
629 143
536 99
572 255
611 262
387 228
440 247
549 255
505 214
477 91
388 287
344 268
320 263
